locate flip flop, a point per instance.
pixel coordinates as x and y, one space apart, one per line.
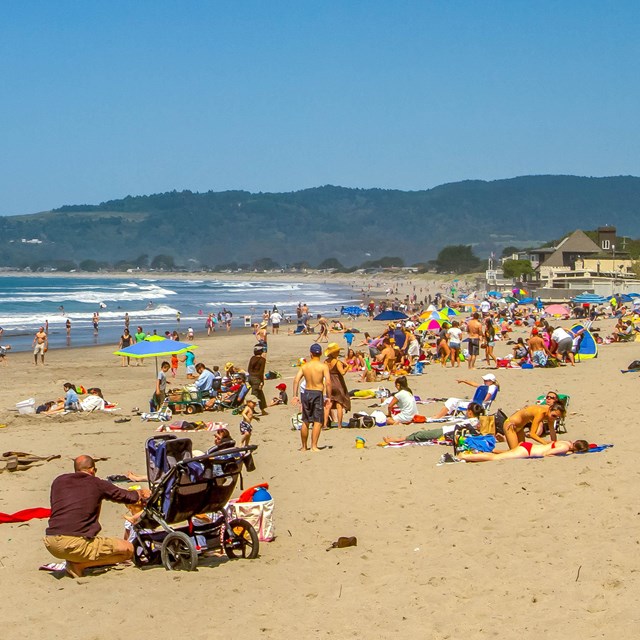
120 420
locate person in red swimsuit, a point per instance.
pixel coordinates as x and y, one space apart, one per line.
530 450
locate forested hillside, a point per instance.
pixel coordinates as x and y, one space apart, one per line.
352 225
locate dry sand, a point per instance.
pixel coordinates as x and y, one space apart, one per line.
528 549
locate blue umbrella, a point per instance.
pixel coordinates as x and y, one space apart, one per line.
590 298
526 301
494 294
626 298
391 315
354 311
634 295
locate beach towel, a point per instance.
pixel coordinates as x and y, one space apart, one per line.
25 515
191 427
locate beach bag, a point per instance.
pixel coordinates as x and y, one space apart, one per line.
379 417
500 417
258 514
296 422
487 425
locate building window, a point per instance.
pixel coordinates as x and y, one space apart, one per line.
606 244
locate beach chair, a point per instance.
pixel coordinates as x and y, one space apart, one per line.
481 397
560 425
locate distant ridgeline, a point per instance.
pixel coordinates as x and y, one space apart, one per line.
350 225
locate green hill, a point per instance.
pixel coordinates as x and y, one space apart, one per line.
352 225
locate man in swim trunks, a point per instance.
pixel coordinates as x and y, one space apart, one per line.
529 450
317 379
537 350
533 417
474 329
40 344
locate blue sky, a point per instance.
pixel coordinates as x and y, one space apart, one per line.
100 100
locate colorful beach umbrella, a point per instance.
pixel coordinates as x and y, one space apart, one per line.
447 312
155 349
494 294
589 298
431 325
557 310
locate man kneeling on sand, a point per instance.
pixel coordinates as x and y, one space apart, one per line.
73 529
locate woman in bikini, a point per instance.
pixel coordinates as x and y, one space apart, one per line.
532 417
529 450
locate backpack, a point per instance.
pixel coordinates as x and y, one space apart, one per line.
500 418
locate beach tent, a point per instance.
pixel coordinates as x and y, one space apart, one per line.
388 315
557 310
588 346
354 311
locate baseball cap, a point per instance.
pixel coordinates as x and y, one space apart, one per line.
281 387
315 349
489 376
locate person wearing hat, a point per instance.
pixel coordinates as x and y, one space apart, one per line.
491 388
282 397
317 380
339 397
261 335
255 369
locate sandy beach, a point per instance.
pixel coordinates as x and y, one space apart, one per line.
512 549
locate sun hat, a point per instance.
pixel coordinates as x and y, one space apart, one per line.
251 398
228 366
489 376
264 325
281 387
332 347
315 349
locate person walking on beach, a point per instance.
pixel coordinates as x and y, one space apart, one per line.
317 379
474 329
96 322
323 329
40 345
255 369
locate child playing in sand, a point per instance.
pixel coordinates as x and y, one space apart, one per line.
282 397
247 416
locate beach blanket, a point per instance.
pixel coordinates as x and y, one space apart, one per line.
190 427
398 445
25 515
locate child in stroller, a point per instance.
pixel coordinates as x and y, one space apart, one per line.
183 488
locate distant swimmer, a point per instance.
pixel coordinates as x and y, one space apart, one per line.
150 304
61 309
103 305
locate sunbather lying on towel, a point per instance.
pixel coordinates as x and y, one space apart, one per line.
474 410
529 450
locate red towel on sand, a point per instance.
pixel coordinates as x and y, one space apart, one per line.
24 515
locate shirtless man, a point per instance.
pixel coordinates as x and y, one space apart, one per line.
537 350
323 329
40 345
317 378
532 417
475 331
387 356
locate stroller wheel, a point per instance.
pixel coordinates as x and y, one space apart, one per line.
178 553
243 541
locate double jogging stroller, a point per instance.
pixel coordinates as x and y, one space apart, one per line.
192 493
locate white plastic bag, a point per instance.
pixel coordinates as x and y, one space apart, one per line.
258 514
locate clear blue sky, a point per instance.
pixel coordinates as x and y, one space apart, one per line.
100 100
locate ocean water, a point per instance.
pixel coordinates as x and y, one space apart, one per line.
26 303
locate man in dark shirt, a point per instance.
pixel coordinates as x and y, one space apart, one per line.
72 534
256 368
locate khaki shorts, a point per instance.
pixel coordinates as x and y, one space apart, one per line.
77 549
39 349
